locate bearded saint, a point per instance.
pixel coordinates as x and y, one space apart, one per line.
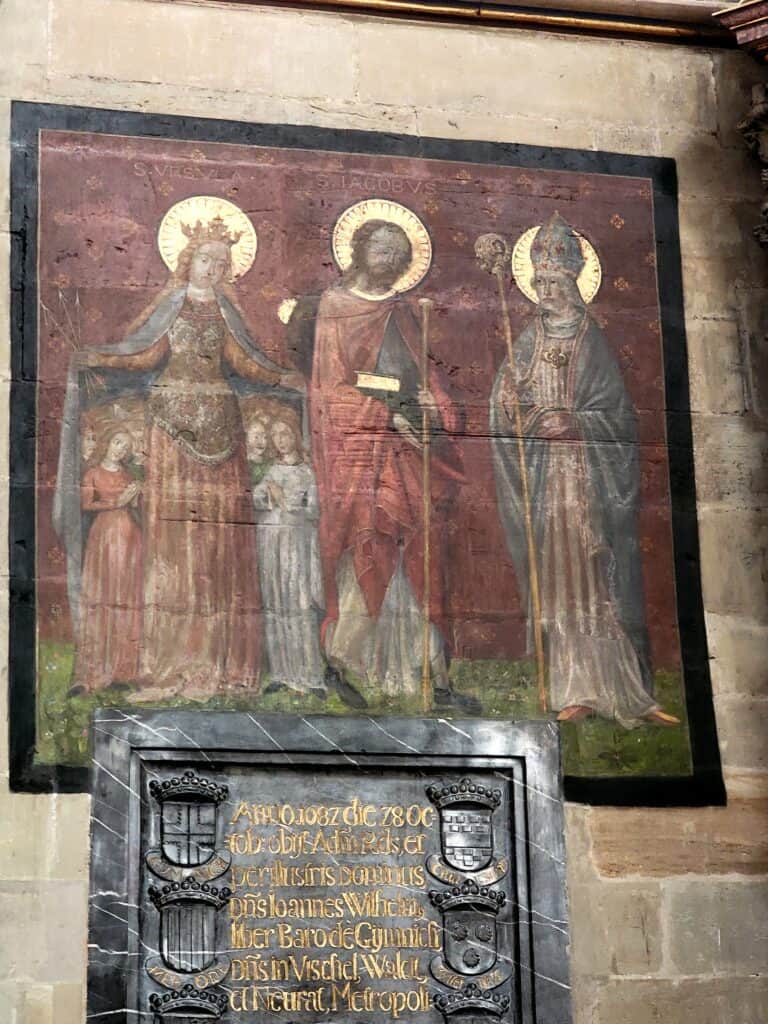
367 452
581 456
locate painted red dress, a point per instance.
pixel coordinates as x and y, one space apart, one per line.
202 605
111 596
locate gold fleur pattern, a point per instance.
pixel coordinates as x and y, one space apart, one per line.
650 259
165 188
626 357
618 221
270 291
93 182
621 284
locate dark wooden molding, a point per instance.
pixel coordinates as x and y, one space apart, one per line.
687 22
748 23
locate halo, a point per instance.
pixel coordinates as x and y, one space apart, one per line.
588 280
393 213
171 238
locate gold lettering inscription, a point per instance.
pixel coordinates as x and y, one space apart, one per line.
329 911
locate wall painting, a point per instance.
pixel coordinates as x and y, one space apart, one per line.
311 421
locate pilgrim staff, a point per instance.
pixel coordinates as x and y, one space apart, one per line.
426 693
493 254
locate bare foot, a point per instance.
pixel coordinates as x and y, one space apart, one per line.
574 713
659 717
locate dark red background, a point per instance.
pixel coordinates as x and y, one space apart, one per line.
102 199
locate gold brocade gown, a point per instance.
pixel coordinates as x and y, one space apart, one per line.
202 611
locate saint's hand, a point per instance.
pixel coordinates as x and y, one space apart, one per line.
294 381
427 401
402 426
276 495
129 495
508 394
555 425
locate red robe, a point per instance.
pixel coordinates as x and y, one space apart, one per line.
369 476
110 624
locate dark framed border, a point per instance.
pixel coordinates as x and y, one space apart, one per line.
130 747
704 786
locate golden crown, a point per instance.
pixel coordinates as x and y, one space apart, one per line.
214 230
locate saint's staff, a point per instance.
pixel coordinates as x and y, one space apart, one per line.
493 255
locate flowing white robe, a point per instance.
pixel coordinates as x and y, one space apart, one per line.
291 577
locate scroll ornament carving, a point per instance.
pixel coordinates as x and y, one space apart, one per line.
754 128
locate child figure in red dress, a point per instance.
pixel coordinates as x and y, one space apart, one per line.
112 581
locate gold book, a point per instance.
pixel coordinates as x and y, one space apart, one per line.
377 382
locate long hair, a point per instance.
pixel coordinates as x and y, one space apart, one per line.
360 240
102 446
179 278
292 422
187 254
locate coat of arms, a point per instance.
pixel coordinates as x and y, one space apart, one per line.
469 926
466 809
188 905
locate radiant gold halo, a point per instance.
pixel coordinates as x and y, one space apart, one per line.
588 280
393 213
171 238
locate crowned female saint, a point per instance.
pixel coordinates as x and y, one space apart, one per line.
191 355
580 450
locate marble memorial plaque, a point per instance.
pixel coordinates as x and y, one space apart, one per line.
319 870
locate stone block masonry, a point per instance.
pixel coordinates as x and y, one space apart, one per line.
667 906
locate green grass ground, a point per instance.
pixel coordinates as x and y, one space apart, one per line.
507 689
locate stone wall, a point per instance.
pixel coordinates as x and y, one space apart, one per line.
668 907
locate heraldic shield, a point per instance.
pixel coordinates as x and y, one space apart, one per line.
188 818
470 940
469 925
189 832
466 828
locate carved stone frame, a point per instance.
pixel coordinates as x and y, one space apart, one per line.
130 748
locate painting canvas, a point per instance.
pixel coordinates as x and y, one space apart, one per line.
313 421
